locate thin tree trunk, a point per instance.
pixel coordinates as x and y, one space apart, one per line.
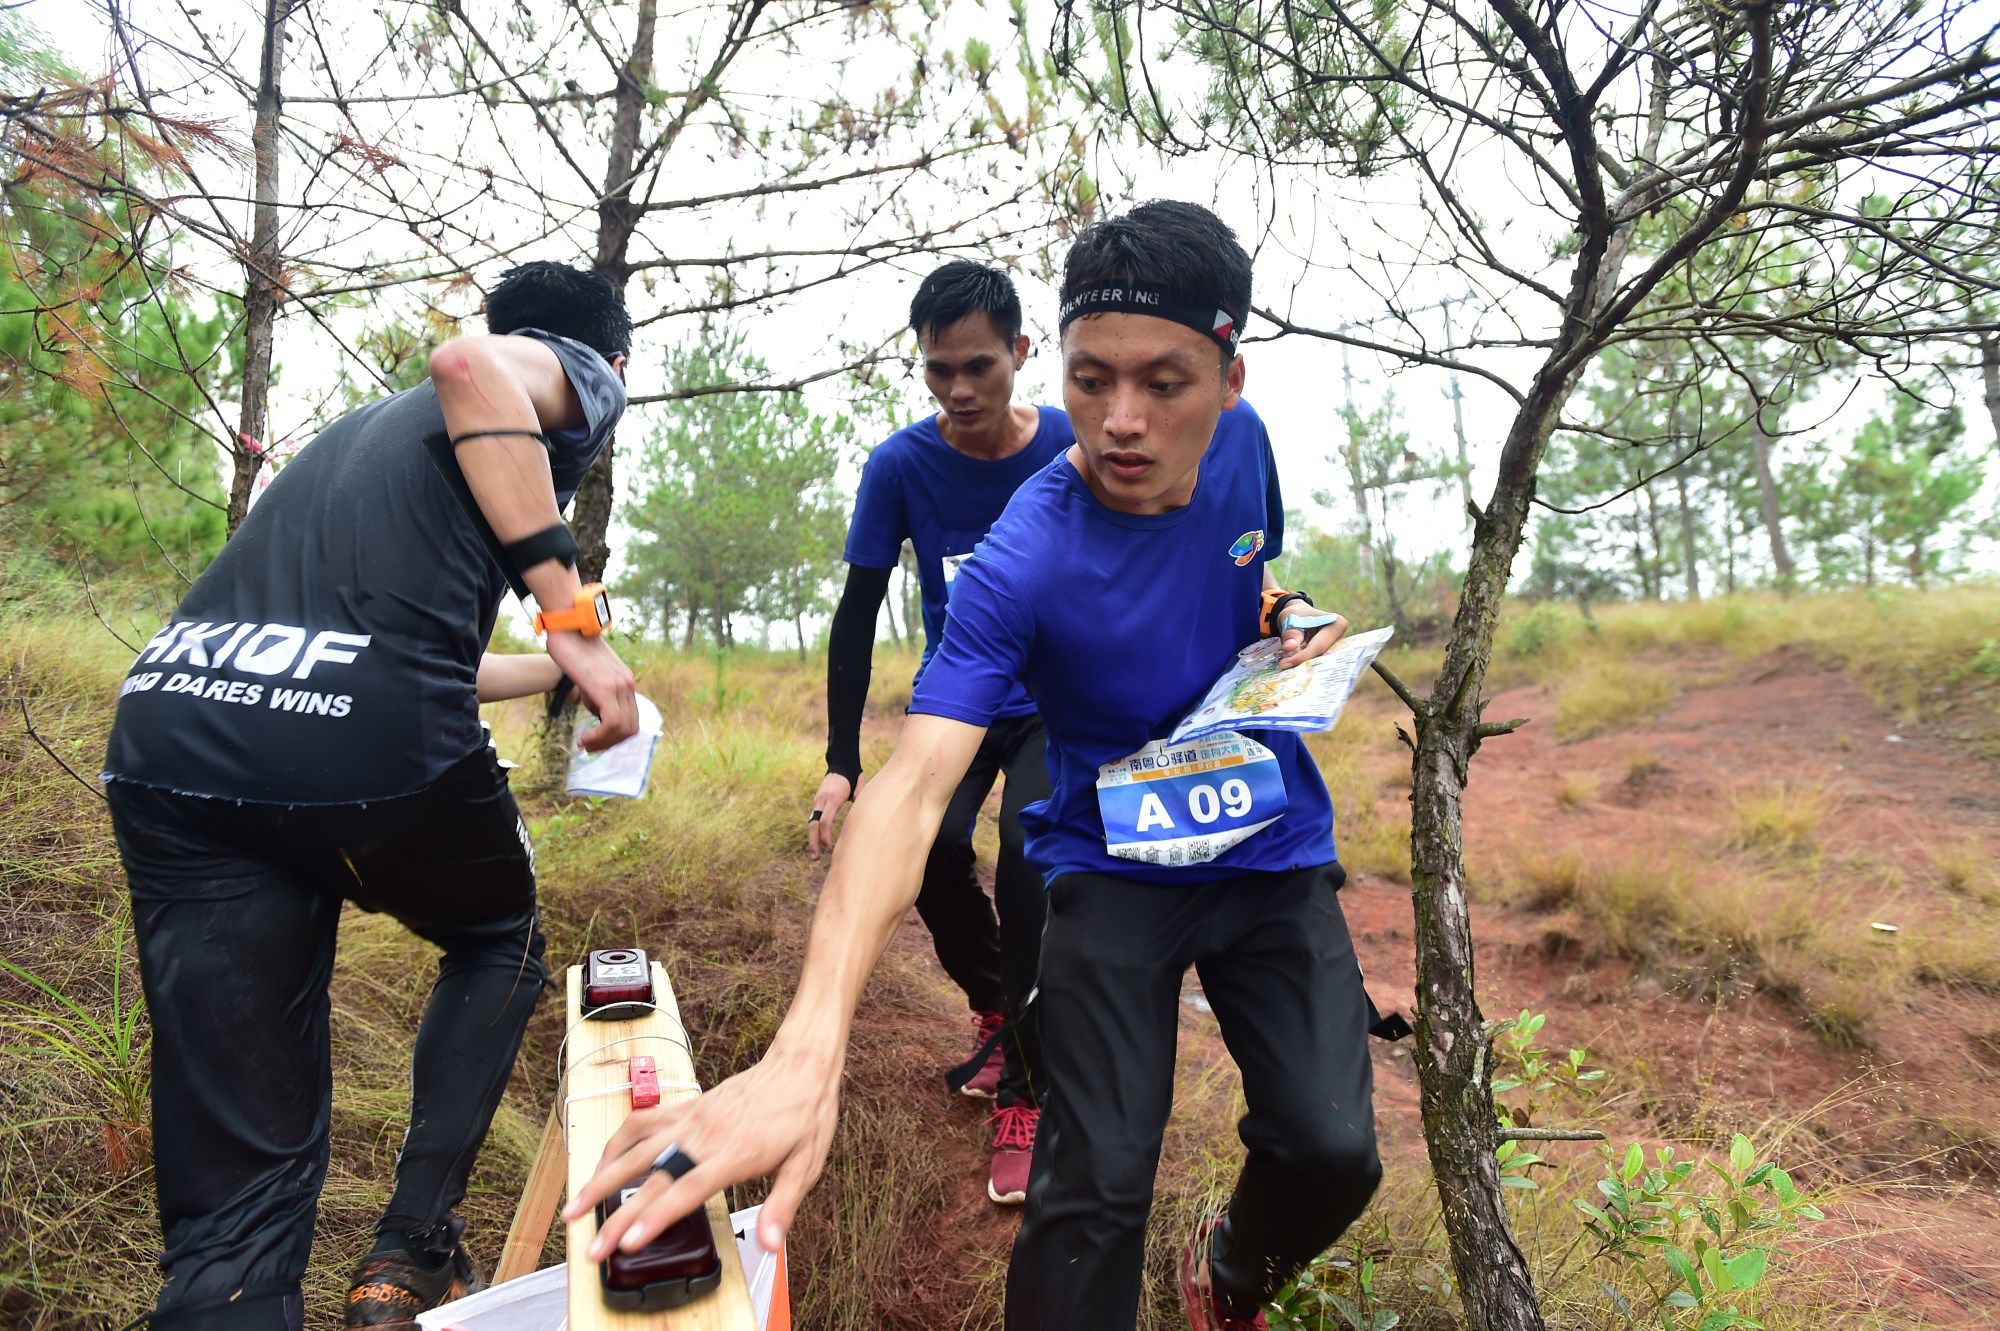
261 288
1767 489
1458 420
617 219
1452 1046
1657 587
1989 374
1639 569
1691 570
1729 546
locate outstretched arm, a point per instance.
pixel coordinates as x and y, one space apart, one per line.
506 390
777 1117
504 675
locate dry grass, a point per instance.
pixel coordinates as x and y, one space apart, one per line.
1921 654
1577 790
1610 695
1711 926
1783 819
1967 869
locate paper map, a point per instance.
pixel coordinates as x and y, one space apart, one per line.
1254 694
621 769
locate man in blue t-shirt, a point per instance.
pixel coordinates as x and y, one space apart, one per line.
940 484
1117 587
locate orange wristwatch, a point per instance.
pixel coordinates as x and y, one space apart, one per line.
590 616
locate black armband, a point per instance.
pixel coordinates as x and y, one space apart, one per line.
549 543
535 435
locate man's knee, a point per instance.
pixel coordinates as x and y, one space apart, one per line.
1325 1155
521 949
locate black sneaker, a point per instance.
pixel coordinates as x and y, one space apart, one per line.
391 1288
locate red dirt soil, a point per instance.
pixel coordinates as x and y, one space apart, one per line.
1912 1110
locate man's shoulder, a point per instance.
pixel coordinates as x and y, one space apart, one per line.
906 440
1038 516
1055 426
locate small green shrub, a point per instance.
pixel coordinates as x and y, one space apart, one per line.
1697 1236
1542 630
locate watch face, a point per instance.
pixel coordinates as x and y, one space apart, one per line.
603 603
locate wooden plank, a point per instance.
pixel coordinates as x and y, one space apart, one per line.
595 1058
539 1200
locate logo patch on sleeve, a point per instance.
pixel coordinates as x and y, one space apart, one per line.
1246 547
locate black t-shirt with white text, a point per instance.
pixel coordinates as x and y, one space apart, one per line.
330 653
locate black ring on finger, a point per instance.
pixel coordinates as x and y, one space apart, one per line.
817 814
673 1162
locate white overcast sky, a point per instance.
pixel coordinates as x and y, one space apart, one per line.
1296 383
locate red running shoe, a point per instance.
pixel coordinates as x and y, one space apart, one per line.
985 1083
1204 1306
1013 1151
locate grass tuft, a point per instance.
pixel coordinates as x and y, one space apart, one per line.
1610 695
1783 819
1578 789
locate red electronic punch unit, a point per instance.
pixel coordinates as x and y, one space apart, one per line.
617 984
678 1266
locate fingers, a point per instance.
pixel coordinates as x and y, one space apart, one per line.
628 1155
1296 646
781 1207
617 711
826 803
660 1201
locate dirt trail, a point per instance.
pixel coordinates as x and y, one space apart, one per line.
1914 1107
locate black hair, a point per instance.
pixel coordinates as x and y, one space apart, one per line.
569 302
1181 249
963 288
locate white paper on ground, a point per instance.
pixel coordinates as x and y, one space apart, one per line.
540 1302
621 769
1253 694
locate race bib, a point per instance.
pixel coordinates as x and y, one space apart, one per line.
1188 803
948 565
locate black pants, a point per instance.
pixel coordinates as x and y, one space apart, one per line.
994 962
235 907
1279 970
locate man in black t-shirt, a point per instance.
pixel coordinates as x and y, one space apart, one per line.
306 731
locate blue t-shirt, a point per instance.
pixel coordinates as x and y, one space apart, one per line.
915 487
1118 623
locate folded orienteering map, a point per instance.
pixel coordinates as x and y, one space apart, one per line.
1254 694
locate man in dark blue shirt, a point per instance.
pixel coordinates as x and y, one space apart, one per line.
1119 584
940 484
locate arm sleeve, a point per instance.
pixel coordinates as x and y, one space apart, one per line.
987 637
850 652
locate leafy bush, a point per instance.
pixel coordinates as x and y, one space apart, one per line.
1698 1236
